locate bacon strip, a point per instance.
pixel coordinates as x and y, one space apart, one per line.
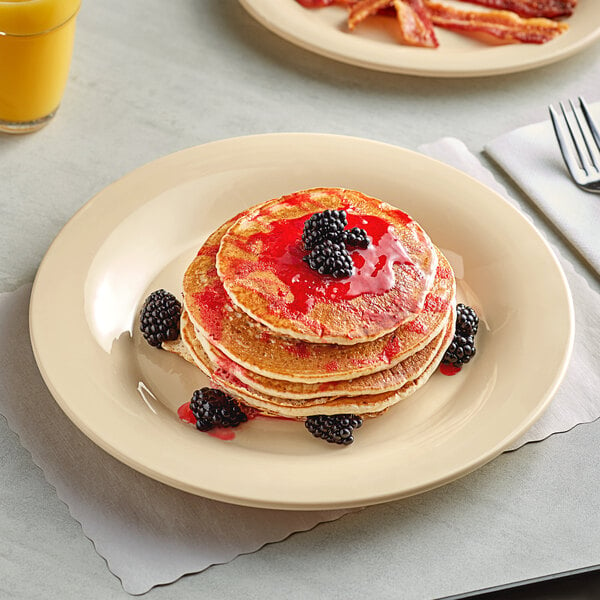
416 27
532 8
501 24
365 8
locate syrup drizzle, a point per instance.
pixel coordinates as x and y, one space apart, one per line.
282 252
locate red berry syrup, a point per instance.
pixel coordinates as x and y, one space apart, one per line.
449 369
282 252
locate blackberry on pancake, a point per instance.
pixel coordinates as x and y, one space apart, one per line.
356 237
330 258
326 225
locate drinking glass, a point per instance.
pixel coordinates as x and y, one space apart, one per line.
36 44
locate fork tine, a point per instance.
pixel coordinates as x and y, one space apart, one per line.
565 149
582 161
579 142
590 121
592 160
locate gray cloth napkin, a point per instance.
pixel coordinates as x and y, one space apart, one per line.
149 533
577 399
530 155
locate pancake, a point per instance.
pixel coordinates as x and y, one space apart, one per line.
260 266
179 347
362 404
381 381
365 405
256 348
189 348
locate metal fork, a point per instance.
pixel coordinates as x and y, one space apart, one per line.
579 142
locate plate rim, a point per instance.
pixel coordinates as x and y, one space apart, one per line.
357 501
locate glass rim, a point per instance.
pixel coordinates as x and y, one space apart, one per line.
42 31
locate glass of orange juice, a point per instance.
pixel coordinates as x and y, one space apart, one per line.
36 44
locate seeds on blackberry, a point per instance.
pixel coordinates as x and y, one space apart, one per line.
467 320
213 408
329 258
159 318
335 429
460 351
356 237
326 225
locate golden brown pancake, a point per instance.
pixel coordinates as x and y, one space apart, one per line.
258 349
179 347
375 383
260 264
365 404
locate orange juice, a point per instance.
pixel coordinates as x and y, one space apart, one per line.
36 43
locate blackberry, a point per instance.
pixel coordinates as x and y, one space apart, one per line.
335 429
326 225
460 351
329 258
213 408
356 237
467 320
159 317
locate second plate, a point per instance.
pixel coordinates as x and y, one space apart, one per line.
374 44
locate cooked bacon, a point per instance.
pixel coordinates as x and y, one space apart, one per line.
501 24
524 21
532 8
416 27
366 8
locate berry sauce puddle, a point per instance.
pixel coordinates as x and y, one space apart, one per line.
446 369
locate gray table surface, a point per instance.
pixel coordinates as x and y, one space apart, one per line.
149 78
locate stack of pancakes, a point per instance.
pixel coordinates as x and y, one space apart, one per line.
287 341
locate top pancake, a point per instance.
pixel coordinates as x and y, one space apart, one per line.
260 265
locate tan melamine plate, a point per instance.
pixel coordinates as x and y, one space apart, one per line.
374 43
139 234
